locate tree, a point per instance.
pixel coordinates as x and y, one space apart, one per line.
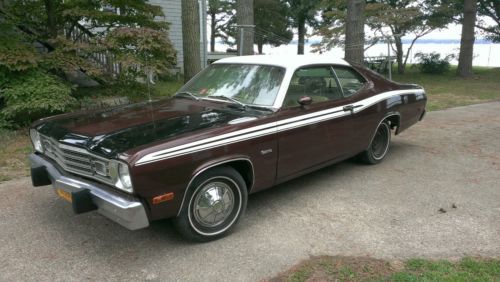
77 33
465 57
396 19
486 10
489 9
42 43
219 13
302 13
271 23
331 26
355 31
245 20
191 38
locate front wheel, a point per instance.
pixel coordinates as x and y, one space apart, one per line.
379 145
214 203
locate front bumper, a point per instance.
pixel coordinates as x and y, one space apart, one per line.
88 195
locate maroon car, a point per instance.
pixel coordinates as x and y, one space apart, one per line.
240 126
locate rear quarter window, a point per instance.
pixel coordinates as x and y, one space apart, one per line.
350 80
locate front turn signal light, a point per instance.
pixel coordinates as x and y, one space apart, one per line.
163 198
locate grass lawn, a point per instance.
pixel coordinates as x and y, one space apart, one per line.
14 149
446 90
328 268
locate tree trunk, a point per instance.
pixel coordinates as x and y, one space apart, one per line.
464 68
399 54
244 17
355 31
51 18
259 47
191 38
212 31
302 34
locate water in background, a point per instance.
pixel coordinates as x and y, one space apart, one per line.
485 54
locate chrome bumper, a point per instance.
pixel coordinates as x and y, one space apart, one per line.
124 210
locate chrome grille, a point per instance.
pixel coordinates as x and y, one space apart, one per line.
76 160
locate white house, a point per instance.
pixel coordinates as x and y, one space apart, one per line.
173 15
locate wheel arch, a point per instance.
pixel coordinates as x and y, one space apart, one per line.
395 121
243 165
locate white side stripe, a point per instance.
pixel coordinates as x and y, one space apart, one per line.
269 128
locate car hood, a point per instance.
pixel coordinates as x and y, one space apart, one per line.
114 131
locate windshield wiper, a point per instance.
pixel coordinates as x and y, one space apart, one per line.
242 105
186 93
262 108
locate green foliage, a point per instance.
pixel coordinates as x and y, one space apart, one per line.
31 95
489 9
76 33
406 18
221 17
331 28
433 63
43 41
141 51
271 23
303 11
16 53
488 16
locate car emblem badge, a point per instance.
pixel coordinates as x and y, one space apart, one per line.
266 151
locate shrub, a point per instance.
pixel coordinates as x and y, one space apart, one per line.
433 63
31 95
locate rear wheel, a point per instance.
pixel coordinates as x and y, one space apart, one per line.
216 201
379 146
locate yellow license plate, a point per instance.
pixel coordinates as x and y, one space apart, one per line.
65 195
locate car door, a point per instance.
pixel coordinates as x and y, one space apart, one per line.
356 89
312 135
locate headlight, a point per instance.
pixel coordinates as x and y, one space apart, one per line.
121 176
35 139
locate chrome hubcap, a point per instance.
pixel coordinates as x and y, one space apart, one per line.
213 204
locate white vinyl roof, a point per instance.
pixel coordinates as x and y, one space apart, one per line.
286 61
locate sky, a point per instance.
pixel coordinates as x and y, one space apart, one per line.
453 31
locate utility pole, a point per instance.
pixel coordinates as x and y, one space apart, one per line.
389 64
242 37
203 19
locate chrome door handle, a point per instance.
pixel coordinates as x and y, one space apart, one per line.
350 108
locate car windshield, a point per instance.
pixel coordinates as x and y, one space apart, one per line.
247 84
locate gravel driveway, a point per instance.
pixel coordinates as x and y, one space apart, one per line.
389 211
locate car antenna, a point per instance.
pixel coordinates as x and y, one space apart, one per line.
148 79
148 83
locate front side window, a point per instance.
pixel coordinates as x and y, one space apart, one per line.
350 80
248 84
317 82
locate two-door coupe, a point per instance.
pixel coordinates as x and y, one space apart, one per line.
242 125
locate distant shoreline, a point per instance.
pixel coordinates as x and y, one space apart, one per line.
445 41
419 41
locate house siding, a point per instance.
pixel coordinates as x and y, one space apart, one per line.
173 15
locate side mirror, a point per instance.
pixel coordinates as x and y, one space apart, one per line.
304 101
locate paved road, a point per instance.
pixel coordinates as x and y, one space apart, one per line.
385 211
